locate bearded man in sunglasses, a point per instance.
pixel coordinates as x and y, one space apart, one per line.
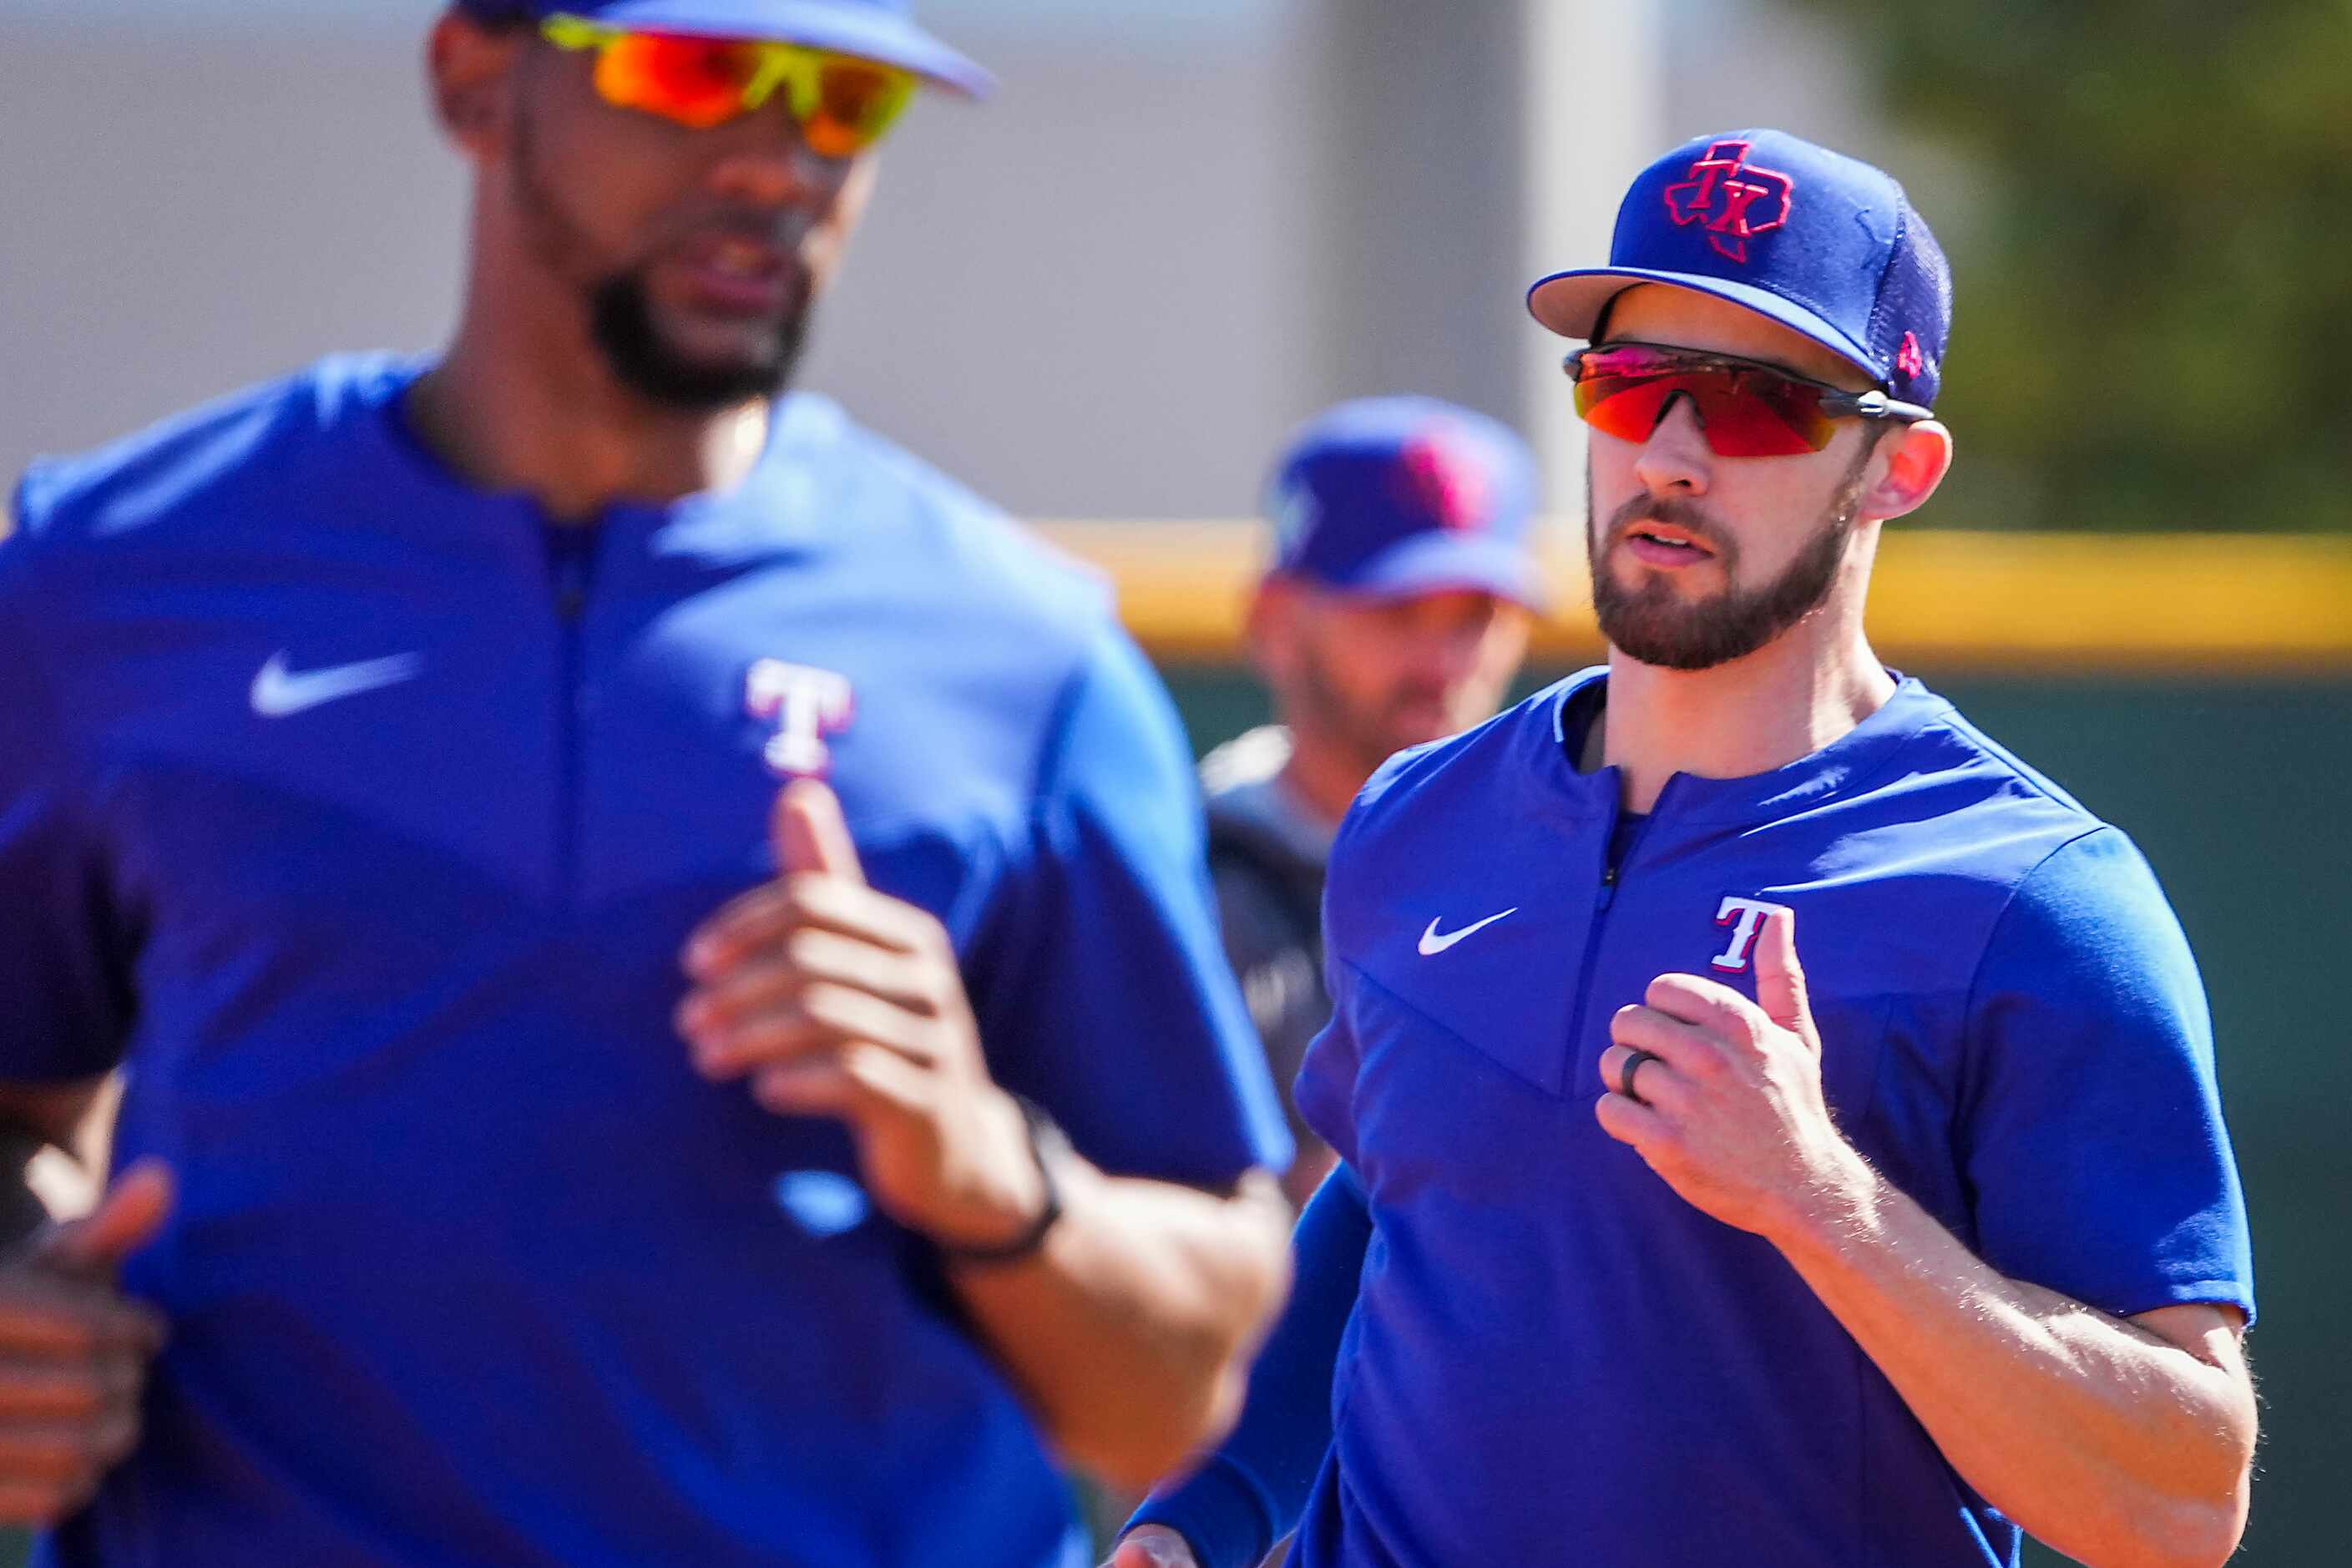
1652 1244
662 948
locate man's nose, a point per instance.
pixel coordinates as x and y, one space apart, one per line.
763 160
1675 457
1446 658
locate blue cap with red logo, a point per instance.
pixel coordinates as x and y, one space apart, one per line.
883 30
1391 497
1823 244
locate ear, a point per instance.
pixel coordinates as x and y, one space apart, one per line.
470 69
857 190
1911 462
1268 622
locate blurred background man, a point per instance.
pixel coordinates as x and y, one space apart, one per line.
1396 612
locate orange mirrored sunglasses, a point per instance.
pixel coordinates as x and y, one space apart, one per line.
1746 408
842 104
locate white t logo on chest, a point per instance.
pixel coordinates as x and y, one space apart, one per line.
806 704
1749 914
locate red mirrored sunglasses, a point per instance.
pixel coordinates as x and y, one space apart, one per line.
1746 407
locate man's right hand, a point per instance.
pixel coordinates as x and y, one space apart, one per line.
74 1351
1152 1546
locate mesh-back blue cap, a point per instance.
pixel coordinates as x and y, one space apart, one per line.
1388 496
1822 243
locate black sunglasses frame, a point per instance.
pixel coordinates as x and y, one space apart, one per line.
1835 400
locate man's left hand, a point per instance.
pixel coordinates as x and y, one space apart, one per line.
1730 1112
833 999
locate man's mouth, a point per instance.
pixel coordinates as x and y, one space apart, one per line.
743 258
738 275
1666 545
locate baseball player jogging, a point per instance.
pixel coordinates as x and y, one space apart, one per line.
559 1128
1777 1126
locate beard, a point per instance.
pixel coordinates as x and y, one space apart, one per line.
1654 625
623 322
1373 729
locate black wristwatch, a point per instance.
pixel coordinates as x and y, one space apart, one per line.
1049 1146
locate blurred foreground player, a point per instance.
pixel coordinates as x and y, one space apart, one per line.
394 777
1396 612
1651 1245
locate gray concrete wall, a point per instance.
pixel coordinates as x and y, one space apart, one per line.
1181 227
1083 298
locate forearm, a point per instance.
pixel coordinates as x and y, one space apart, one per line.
2106 1441
1130 1330
1252 1491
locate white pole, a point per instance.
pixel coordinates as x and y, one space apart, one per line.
1594 117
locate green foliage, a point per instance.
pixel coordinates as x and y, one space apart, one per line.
2149 218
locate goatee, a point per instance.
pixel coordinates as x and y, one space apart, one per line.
621 320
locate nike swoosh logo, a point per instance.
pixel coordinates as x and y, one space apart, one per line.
1431 944
279 691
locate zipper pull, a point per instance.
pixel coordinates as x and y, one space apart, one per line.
568 563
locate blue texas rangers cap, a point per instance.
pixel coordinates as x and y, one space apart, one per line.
1821 243
882 30
1388 496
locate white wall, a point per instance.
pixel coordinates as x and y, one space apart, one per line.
1081 297
1183 225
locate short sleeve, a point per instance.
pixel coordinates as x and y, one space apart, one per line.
2092 1130
1275 962
65 993
1325 1090
1327 1081
1100 978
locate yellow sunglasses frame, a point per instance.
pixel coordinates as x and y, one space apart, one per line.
797 68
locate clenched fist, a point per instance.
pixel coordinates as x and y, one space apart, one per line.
74 1352
1726 1103
1152 1546
832 999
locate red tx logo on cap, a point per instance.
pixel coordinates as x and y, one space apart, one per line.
1442 482
1910 359
1736 199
